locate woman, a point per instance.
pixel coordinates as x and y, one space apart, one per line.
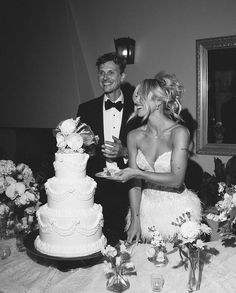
158 156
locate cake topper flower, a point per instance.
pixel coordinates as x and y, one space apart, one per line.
74 136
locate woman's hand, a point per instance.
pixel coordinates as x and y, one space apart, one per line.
134 231
125 175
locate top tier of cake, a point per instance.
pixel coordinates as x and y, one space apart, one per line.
70 167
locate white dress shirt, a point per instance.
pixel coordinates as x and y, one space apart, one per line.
112 123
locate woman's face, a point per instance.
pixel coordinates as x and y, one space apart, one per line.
139 105
143 104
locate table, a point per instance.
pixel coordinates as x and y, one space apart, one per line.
21 274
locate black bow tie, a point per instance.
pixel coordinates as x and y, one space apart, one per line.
109 105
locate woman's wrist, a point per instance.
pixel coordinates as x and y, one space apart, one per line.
138 174
135 216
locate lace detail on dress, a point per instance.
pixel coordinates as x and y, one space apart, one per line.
162 163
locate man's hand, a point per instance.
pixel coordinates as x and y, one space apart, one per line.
114 149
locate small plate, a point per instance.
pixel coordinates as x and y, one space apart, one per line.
103 175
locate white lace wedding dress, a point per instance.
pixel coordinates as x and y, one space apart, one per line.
160 205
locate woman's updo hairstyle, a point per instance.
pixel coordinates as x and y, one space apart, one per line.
173 92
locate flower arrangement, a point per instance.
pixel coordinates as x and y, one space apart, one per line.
188 240
19 198
189 232
74 136
117 265
224 211
156 252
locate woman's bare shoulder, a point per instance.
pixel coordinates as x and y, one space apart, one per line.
180 132
180 129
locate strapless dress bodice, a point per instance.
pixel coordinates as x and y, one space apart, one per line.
161 165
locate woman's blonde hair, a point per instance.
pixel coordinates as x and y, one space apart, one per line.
164 87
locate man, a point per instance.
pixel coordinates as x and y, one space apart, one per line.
110 124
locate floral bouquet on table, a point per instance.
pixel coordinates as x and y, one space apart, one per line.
74 136
188 240
19 199
118 265
156 252
224 211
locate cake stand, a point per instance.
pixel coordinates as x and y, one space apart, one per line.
62 263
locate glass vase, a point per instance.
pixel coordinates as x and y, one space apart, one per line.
117 283
159 259
20 241
194 278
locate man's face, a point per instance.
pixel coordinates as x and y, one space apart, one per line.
109 77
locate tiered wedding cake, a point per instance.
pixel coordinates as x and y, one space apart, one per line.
70 224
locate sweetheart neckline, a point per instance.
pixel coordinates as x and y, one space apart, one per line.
154 163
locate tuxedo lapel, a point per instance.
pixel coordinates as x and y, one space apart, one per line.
127 110
98 118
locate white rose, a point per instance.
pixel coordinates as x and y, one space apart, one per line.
30 210
11 191
107 267
150 252
68 126
210 216
190 230
30 196
20 187
74 141
227 196
223 217
4 209
200 244
60 140
110 251
10 180
205 229
22 200
20 167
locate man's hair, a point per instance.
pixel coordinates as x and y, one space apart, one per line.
117 59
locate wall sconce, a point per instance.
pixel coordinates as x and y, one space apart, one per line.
126 48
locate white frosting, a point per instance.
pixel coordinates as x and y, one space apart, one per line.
71 250
69 234
84 221
70 224
79 195
70 166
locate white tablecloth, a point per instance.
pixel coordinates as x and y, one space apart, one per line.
19 273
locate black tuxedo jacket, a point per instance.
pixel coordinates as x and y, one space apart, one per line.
91 113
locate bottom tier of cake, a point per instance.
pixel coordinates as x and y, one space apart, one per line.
70 234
